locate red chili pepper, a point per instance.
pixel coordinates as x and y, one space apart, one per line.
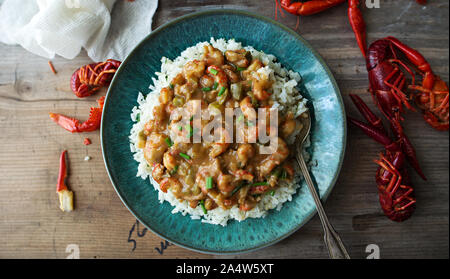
87 141
64 194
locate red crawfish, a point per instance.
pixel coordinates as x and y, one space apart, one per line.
90 78
395 192
388 84
388 60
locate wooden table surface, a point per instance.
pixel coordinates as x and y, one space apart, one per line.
32 226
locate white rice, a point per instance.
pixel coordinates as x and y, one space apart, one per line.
285 96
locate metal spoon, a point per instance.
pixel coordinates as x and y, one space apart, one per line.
333 242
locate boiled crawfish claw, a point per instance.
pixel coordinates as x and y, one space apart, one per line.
75 126
64 194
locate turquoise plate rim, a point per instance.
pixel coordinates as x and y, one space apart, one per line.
313 212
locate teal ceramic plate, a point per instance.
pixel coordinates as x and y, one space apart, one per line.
135 75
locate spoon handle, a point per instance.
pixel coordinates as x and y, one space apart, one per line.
333 242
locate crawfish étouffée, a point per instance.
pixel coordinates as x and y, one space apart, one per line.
211 174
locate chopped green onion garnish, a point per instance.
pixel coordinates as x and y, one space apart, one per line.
191 118
222 90
215 85
168 141
209 182
213 71
206 88
185 156
202 204
259 184
174 170
240 118
272 193
171 86
180 128
283 174
138 117
240 69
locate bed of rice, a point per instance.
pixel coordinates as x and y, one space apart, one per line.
285 95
